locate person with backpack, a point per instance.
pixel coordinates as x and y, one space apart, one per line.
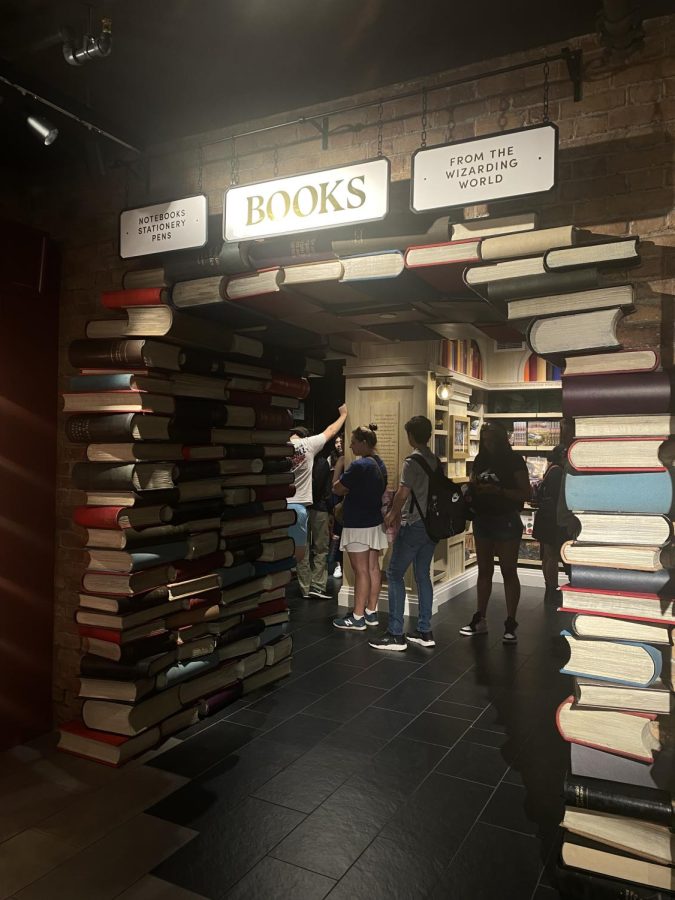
499 486
363 536
412 544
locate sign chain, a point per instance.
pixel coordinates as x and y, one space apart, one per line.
545 116
200 169
234 164
424 117
380 111
450 125
275 159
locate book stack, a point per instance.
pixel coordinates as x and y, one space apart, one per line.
618 484
186 476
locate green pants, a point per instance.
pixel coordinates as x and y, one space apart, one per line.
312 572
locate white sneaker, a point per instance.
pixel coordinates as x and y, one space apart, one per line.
337 571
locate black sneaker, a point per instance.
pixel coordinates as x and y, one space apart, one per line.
477 625
423 638
320 594
510 636
388 641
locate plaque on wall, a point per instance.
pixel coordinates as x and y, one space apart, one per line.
386 415
328 199
513 163
174 225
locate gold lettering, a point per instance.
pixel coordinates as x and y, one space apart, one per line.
258 200
327 195
356 192
286 203
296 200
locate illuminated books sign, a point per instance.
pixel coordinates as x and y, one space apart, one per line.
494 167
327 199
175 225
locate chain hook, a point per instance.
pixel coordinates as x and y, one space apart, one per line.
545 116
380 111
234 163
200 169
423 142
275 159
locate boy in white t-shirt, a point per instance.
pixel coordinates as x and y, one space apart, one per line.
305 449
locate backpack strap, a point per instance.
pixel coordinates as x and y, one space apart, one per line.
419 459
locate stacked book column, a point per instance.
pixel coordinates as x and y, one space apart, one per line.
185 477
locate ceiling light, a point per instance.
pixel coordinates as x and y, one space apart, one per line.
44 129
443 391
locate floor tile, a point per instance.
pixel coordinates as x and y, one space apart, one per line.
226 785
507 809
345 702
151 888
302 730
488 858
412 696
312 778
272 878
285 702
385 871
386 673
436 818
455 710
205 749
433 729
96 813
474 762
379 723
326 678
28 856
113 864
231 845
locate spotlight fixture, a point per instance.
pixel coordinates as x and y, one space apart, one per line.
443 391
44 129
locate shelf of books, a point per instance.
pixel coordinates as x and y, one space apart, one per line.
185 475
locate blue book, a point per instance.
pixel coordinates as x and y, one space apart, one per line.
184 671
117 381
624 492
620 662
148 558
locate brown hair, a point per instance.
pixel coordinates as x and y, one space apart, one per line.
367 435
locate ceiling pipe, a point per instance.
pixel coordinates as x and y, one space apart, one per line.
620 26
92 47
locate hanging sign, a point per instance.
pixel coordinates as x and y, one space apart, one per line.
327 199
175 225
508 164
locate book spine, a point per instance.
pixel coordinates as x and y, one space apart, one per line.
107 354
541 285
635 393
98 516
100 429
148 296
610 797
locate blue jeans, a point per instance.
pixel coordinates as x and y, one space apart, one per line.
412 545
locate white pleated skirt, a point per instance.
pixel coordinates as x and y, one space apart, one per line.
358 540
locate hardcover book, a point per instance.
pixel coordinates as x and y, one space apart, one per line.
576 333
632 664
629 492
633 735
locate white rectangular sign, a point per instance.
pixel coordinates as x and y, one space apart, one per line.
176 225
328 199
463 173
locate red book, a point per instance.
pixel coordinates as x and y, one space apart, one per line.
266 609
635 724
273 492
273 418
288 386
98 516
618 605
102 746
622 454
119 637
155 296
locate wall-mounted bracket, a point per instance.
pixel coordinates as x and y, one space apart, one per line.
322 129
574 61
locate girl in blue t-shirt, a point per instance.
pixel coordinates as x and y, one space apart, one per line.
363 535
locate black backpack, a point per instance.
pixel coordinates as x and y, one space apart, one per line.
447 509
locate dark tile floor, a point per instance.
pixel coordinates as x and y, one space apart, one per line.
434 773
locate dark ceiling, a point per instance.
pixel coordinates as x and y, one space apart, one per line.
180 67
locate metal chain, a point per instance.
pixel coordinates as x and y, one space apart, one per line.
380 111
424 117
450 125
547 86
234 164
200 169
275 158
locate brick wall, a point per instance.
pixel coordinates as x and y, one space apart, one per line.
615 176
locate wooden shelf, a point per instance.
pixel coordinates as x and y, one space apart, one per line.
440 431
524 415
525 386
524 448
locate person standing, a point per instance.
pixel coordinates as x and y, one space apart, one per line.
336 460
305 449
546 530
499 487
412 543
312 571
363 536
